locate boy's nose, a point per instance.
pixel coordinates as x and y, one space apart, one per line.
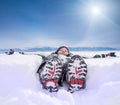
63 51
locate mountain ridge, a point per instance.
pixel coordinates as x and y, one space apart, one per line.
36 49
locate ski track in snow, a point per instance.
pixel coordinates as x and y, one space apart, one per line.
19 83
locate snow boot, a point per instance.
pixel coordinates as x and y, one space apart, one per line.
76 74
51 73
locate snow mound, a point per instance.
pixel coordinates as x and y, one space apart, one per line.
19 83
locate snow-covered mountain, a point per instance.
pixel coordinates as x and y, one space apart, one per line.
36 49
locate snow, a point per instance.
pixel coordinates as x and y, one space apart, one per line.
19 83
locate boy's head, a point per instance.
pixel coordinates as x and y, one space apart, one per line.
62 50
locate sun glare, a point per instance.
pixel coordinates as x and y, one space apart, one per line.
95 10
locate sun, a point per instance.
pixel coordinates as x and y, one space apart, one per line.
95 10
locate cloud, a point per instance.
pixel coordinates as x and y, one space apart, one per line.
48 42
33 42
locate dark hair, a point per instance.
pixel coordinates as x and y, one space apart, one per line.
56 52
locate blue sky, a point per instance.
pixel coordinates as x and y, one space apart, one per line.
37 23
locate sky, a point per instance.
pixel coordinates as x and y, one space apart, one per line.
39 23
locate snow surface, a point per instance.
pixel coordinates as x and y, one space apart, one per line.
19 83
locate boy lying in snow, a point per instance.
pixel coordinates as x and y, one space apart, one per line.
63 66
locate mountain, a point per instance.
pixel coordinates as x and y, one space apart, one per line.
92 48
36 49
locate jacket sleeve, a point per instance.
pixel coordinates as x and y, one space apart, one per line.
40 67
45 59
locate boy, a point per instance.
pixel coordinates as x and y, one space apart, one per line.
61 66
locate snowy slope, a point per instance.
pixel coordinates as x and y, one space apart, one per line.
19 84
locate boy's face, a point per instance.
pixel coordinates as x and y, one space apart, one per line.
63 51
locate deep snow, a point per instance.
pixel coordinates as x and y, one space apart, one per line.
19 83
